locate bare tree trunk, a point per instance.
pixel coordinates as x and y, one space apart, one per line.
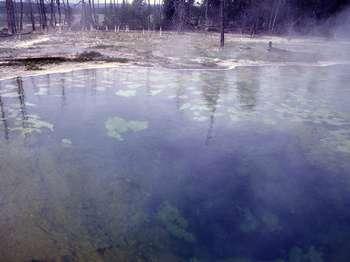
271 17
43 14
59 11
118 15
222 23
114 14
91 21
64 20
95 18
206 14
154 15
149 16
86 18
69 15
275 16
21 16
53 21
180 11
253 28
31 14
83 15
11 17
122 17
16 12
39 11
105 13
160 10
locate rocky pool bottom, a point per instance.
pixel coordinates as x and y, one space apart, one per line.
140 164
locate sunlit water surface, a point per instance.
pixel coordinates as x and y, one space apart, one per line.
140 164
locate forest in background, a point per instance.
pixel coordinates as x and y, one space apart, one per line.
242 16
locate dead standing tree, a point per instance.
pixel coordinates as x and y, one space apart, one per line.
31 14
91 14
67 13
87 19
149 11
206 14
180 14
42 14
274 15
11 16
105 14
83 21
94 14
222 23
20 25
53 21
58 3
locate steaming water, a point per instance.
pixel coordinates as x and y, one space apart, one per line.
136 164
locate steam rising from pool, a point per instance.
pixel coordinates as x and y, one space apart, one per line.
155 164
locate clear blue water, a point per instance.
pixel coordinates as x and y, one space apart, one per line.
146 164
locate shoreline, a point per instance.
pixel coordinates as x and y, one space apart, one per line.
30 56
59 70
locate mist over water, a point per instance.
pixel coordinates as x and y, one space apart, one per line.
145 164
173 146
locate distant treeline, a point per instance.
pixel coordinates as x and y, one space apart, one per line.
246 16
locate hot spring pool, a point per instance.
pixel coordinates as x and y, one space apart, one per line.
147 164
